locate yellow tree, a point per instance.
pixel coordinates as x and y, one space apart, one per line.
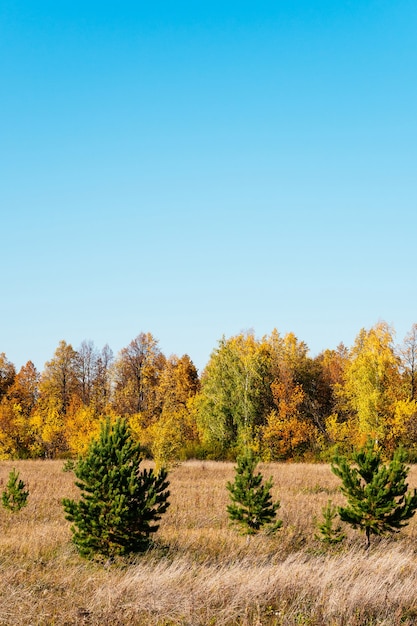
335 413
331 364
57 389
176 429
16 408
82 425
403 427
287 433
178 382
292 424
173 437
136 378
292 365
372 383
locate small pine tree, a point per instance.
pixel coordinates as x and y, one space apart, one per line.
377 497
120 505
327 532
69 465
252 506
15 496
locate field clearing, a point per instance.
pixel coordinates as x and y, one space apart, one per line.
201 572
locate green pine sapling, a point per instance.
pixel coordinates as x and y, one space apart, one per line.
378 500
120 505
252 506
15 496
328 533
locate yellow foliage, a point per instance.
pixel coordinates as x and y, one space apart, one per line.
288 396
403 425
171 435
166 439
82 426
372 381
48 426
342 434
8 447
283 436
138 429
15 430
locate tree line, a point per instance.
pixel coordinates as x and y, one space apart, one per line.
266 393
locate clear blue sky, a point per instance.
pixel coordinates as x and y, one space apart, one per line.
195 169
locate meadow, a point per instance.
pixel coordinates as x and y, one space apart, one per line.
201 572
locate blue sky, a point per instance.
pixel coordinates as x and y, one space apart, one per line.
195 169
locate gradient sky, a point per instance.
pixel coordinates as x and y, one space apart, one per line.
195 169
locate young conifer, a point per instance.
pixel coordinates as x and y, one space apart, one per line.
328 532
15 496
119 506
252 506
377 495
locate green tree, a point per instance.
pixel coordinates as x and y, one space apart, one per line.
235 393
120 505
252 506
15 496
378 500
328 533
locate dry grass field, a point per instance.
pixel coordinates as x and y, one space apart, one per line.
201 572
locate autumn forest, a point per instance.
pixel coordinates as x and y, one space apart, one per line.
267 393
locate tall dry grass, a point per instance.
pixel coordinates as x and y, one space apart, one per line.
201 572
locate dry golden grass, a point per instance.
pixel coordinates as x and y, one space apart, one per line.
201 572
